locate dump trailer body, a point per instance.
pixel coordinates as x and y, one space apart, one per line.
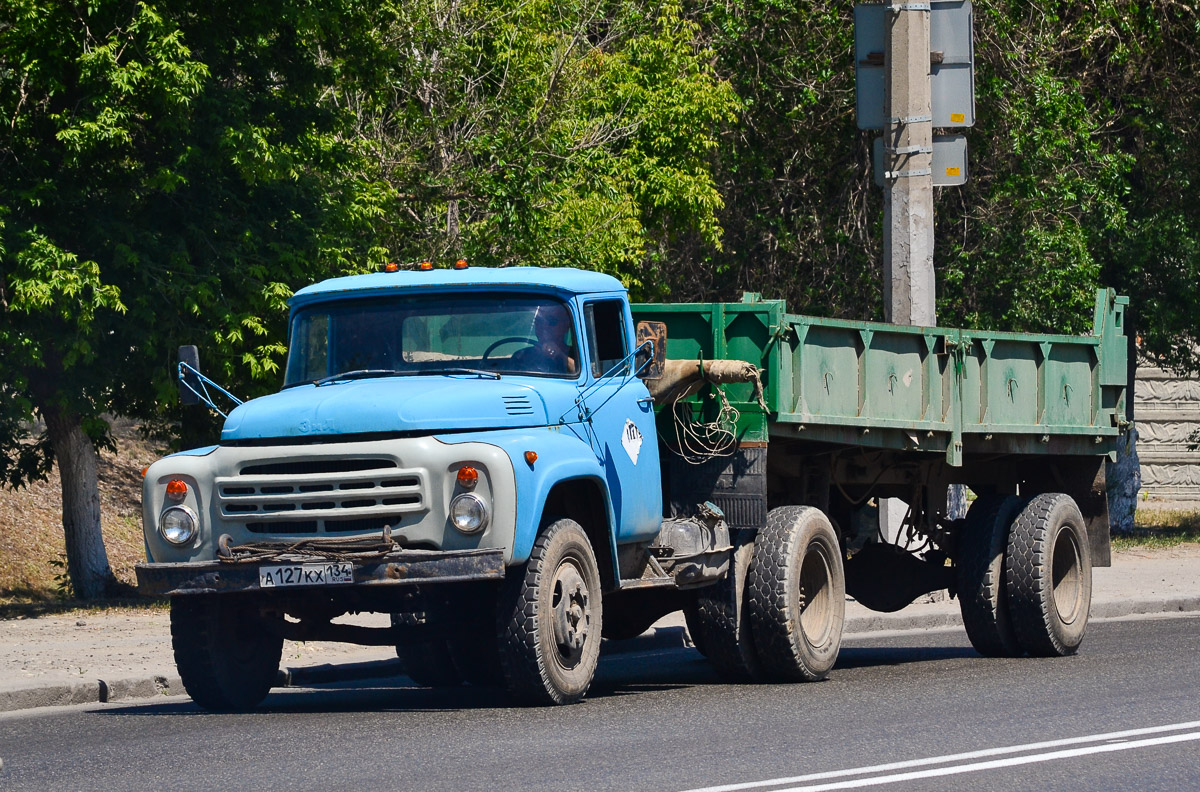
889 410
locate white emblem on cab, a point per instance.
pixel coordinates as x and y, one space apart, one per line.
631 438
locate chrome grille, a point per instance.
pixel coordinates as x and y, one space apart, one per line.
330 496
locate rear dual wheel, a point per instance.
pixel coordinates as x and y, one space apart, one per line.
982 590
797 595
778 615
1025 576
1049 576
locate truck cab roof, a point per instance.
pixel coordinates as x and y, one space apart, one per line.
563 279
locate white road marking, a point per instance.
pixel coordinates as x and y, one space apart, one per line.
959 757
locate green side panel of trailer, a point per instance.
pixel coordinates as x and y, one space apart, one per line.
922 389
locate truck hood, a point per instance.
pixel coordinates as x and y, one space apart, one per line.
395 404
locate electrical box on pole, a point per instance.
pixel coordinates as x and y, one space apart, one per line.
951 63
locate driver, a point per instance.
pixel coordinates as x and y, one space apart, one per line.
550 354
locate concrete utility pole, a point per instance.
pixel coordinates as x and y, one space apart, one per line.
908 281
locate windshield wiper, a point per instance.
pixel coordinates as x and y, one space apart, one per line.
459 370
356 374
370 373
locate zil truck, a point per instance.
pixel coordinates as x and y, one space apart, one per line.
516 463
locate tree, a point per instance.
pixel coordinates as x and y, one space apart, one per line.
1082 166
171 174
166 175
538 132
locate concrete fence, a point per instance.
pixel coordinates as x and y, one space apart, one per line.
1167 411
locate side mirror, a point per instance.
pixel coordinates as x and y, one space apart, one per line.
651 357
189 383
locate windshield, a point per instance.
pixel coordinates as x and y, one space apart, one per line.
432 333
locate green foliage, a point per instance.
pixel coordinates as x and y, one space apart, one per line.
575 134
169 177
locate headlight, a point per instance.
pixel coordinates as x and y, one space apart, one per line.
178 525
469 513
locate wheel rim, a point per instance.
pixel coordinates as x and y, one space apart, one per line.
816 598
571 606
1067 576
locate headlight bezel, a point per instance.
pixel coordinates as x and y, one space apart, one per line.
469 505
189 515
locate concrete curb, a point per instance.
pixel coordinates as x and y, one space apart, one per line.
99 691
92 691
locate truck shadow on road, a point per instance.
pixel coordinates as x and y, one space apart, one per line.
619 676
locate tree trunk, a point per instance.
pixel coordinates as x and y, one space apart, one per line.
87 561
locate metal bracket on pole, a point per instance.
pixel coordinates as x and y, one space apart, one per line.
910 150
909 7
908 173
910 119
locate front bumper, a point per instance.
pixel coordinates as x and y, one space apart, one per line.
403 567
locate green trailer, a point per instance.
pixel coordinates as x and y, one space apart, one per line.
837 415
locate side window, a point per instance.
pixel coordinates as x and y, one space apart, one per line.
605 323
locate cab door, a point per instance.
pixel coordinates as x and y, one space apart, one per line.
621 419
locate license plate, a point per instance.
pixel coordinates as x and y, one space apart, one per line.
305 575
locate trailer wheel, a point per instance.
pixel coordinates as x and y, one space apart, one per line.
427 660
722 628
982 591
1049 576
551 619
797 595
227 653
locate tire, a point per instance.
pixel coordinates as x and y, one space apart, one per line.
980 576
476 655
551 619
227 653
1049 571
721 624
691 618
428 662
797 595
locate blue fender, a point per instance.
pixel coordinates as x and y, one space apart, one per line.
561 456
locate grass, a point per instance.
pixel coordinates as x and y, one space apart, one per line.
32 605
1160 528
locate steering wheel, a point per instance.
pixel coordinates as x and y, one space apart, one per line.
508 340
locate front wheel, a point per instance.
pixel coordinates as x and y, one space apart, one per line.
227 652
551 619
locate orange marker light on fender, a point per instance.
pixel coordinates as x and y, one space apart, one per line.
176 490
468 477
425 265
460 264
530 457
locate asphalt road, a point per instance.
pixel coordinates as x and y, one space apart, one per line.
917 711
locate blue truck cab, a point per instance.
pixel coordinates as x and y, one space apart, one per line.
447 445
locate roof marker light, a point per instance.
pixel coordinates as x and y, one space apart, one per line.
391 266
461 264
425 265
